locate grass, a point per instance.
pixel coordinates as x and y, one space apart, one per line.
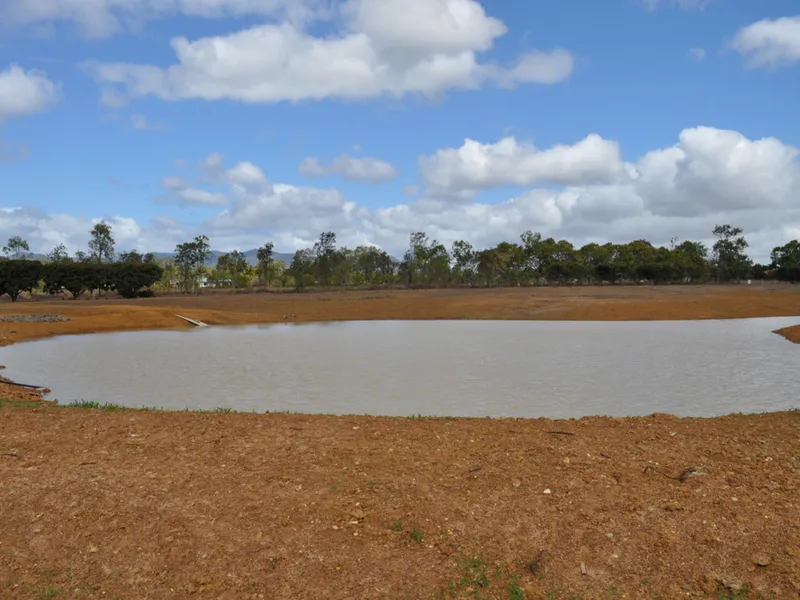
12 403
397 525
416 535
96 405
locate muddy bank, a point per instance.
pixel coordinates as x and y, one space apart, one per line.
138 504
790 333
579 303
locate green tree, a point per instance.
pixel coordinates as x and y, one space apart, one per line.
730 261
101 242
16 248
59 254
786 261
266 262
130 278
301 268
325 258
190 260
464 261
17 276
233 267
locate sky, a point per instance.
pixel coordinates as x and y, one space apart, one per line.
257 120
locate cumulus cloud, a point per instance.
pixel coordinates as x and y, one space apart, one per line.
508 162
24 93
380 47
44 230
708 177
102 18
769 42
353 169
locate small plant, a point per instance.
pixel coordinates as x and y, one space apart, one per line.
611 592
49 593
416 535
92 404
223 409
397 525
514 591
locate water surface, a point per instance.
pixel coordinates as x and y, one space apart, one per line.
455 368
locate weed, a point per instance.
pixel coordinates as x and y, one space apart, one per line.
49 593
397 525
370 484
223 409
474 574
416 535
611 591
417 417
92 404
514 591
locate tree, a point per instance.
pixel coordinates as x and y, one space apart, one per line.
130 278
265 262
17 276
729 259
81 256
101 244
134 256
233 267
325 258
16 248
301 268
464 261
190 259
58 254
786 261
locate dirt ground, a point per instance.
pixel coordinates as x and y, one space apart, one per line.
136 504
611 303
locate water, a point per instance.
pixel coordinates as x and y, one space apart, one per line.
454 368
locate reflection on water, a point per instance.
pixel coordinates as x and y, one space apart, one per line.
455 368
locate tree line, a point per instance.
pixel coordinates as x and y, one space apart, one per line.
533 260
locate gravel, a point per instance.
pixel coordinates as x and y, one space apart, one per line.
33 319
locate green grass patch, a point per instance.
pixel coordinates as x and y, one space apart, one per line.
13 403
107 406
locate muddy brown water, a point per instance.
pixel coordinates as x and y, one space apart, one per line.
553 369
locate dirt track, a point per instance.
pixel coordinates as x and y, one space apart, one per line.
133 504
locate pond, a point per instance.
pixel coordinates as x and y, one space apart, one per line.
554 369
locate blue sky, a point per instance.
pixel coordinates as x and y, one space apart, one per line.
276 120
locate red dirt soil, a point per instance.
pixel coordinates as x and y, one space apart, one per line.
136 504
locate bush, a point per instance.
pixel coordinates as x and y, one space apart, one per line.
17 276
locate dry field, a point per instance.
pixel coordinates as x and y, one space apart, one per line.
136 504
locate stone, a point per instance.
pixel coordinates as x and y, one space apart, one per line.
761 560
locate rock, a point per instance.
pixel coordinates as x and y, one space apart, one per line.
761 560
710 583
516 483
671 506
358 514
547 491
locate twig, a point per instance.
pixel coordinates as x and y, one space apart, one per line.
13 454
88 462
560 433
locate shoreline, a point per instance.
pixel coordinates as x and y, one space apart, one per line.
668 303
133 503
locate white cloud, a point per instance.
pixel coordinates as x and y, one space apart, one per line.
24 93
354 169
707 177
102 18
142 123
381 47
769 42
476 166
699 54
682 4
